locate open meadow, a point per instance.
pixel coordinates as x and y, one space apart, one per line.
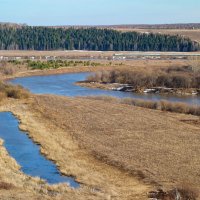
115 150
100 100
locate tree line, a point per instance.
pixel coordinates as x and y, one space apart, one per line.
44 38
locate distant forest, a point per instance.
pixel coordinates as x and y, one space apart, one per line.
44 38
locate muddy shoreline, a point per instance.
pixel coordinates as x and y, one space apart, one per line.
129 88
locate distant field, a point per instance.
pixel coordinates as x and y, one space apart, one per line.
193 34
82 54
55 53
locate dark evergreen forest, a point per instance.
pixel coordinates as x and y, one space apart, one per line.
43 38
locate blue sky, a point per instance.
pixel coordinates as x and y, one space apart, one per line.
96 12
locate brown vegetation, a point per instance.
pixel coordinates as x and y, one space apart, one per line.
183 192
10 69
194 62
98 180
144 142
6 69
11 91
75 54
156 105
64 54
6 186
148 144
179 108
172 77
192 34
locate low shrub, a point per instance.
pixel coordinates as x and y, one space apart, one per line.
2 95
11 91
141 103
104 98
95 78
156 105
180 108
194 63
177 77
17 92
7 70
6 186
54 64
180 193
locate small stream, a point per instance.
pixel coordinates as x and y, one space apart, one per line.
27 153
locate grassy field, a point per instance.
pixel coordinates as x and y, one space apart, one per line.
99 180
78 54
11 70
117 151
152 145
113 156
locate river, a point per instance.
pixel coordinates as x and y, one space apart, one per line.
64 84
26 152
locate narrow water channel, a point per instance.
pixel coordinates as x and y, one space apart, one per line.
27 153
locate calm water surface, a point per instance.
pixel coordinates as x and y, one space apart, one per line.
64 84
27 153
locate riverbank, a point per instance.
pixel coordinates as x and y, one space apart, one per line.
99 180
135 64
130 88
176 80
151 152
106 167
93 141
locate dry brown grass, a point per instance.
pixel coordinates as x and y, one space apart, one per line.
155 105
11 91
183 192
6 69
194 62
135 65
6 186
192 34
11 69
179 108
150 144
171 77
2 96
71 54
99 180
